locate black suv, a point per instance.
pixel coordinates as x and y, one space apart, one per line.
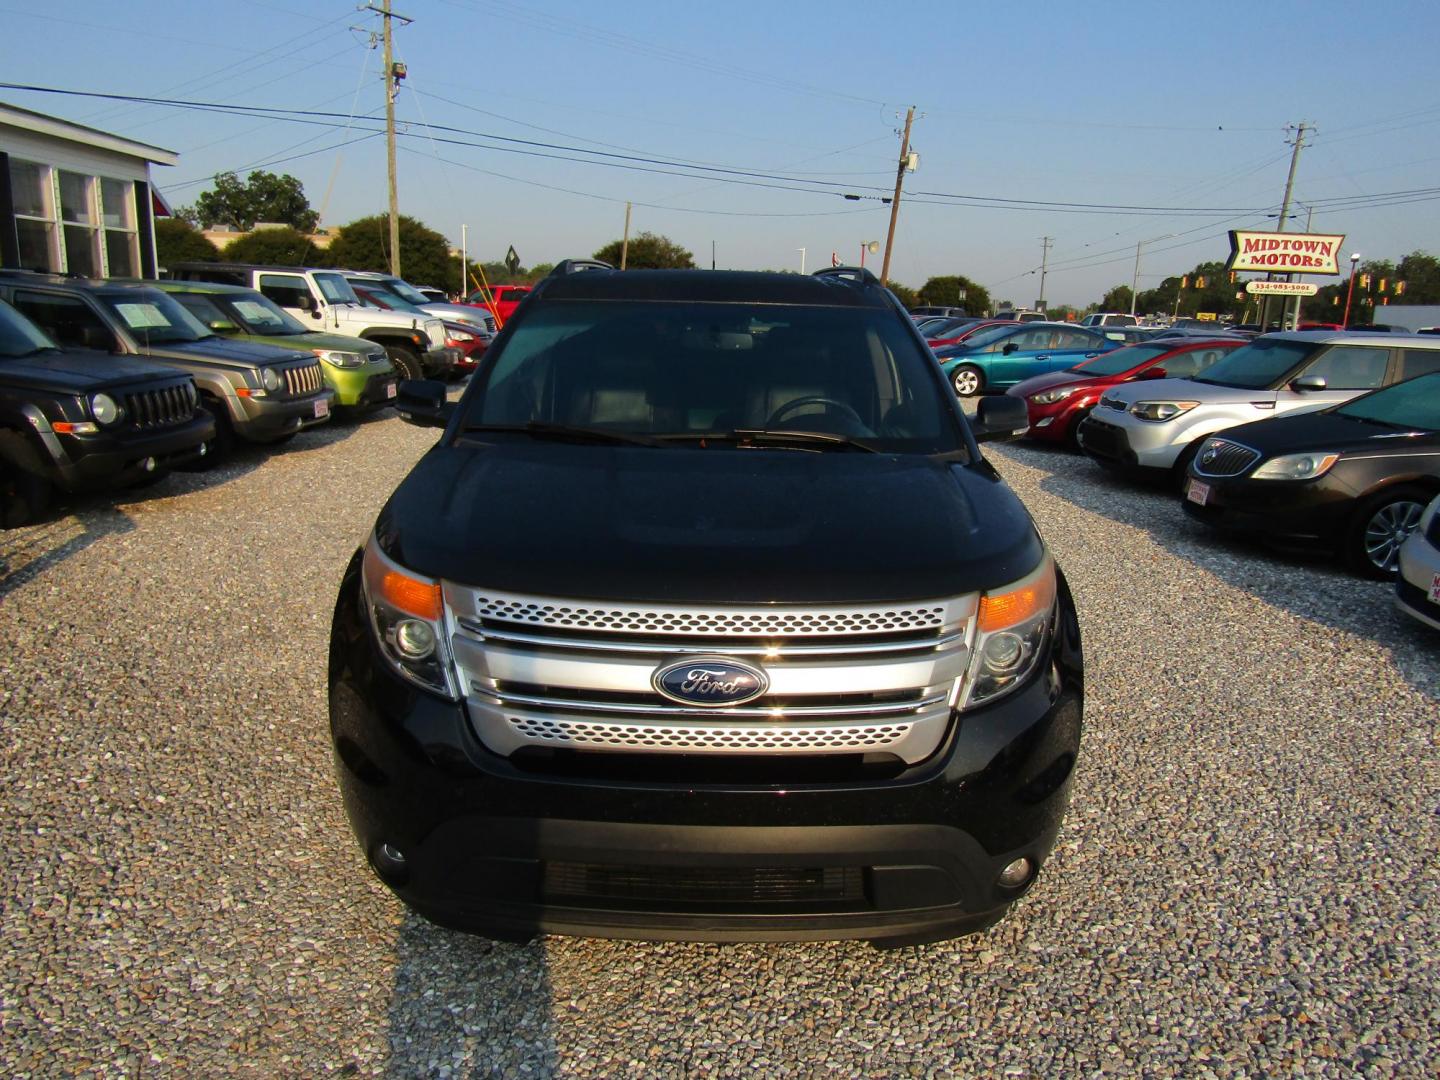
258 393
71 422
706 618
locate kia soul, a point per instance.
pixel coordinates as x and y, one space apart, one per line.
706 618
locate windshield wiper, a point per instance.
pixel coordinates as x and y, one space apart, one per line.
570 433
816 440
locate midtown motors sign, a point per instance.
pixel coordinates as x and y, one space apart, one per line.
1293 253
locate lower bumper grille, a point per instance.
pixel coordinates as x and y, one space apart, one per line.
1103 439
599 883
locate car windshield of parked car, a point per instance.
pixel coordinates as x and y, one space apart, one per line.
685 372
19 336
377 295
336 289
1113 363
1412 404
1258 365
404 290
261 315
155 317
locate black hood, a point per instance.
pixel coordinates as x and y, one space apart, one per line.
1323 431
241 353
707 526
61 372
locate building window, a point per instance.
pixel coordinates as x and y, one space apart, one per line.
35 219
117 213
77 215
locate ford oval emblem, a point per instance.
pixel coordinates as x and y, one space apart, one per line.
713 681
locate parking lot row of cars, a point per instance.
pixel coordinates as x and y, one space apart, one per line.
1325 440
112 383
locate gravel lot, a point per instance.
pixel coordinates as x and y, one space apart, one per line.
1247 882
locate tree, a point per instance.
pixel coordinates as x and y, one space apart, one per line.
906 295
946 291
179 241
648 252
425 258
262 197
1117 299
1421 273
282 246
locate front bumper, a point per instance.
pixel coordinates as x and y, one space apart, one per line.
114 459
1056 422
496 846
1308 513
1419 570
439 363
267 419
359 387
1126 446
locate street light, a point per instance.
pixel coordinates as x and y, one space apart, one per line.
1135 280
872 246
802 261
1350 292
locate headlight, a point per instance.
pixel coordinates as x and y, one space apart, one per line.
104 409
1157 412
340 359
1010 635
1296 466
407 615
1049 397
270 379
459 335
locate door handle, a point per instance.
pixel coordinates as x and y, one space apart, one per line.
1046 357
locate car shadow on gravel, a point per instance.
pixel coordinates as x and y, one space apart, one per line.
28 553
467 1006
1308 584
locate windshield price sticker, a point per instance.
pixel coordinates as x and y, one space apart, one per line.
250 311
141 316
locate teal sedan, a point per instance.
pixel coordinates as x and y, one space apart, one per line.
1000 357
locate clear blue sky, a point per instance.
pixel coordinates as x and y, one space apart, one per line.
1134 104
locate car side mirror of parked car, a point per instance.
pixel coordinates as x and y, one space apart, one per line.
422 402
1010 347
222 326
1000 418
1153 373
1308 382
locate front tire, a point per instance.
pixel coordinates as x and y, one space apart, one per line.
221 444
25 491
1372 545
406 362
968 380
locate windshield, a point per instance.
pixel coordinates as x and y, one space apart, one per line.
335 289
1412 404
258 314
1258 366
153 317
1113 363
18 335
692 371
404 290
384 297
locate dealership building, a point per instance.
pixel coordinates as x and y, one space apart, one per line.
76 200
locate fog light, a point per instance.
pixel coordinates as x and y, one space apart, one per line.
149 464
1016 874
414 639
389 862
204 449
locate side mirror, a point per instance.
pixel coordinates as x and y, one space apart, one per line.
422 402
315 313
1308 382
222 326
1010 347
1000 418
1153 373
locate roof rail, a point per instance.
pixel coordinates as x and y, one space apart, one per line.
857 274
575 266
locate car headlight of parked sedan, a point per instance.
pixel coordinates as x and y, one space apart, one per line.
459 335
1050 397
1157 412
340 359
1305 466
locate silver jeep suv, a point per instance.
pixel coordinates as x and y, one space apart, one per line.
1160 424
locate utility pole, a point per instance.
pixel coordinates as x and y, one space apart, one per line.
464 263
1045 243
393 74
895 202
1298 145
712 254
625 241
802 261
1135 277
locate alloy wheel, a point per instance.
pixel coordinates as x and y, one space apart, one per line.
1387 529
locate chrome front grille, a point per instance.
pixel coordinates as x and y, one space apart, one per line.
1227 459
844 679
302 380
1114 403
148 409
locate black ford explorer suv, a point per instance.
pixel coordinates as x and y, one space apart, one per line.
258 393
75 421
706 619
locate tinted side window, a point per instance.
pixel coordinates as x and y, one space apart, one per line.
1352 367
1418 362
67 319
1073 339
287 290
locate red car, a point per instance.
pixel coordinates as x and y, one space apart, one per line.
1059 400
469 344
957 332
501 301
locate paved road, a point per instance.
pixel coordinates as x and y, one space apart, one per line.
1247 881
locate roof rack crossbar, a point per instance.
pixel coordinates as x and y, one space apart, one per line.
856 274
575 266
